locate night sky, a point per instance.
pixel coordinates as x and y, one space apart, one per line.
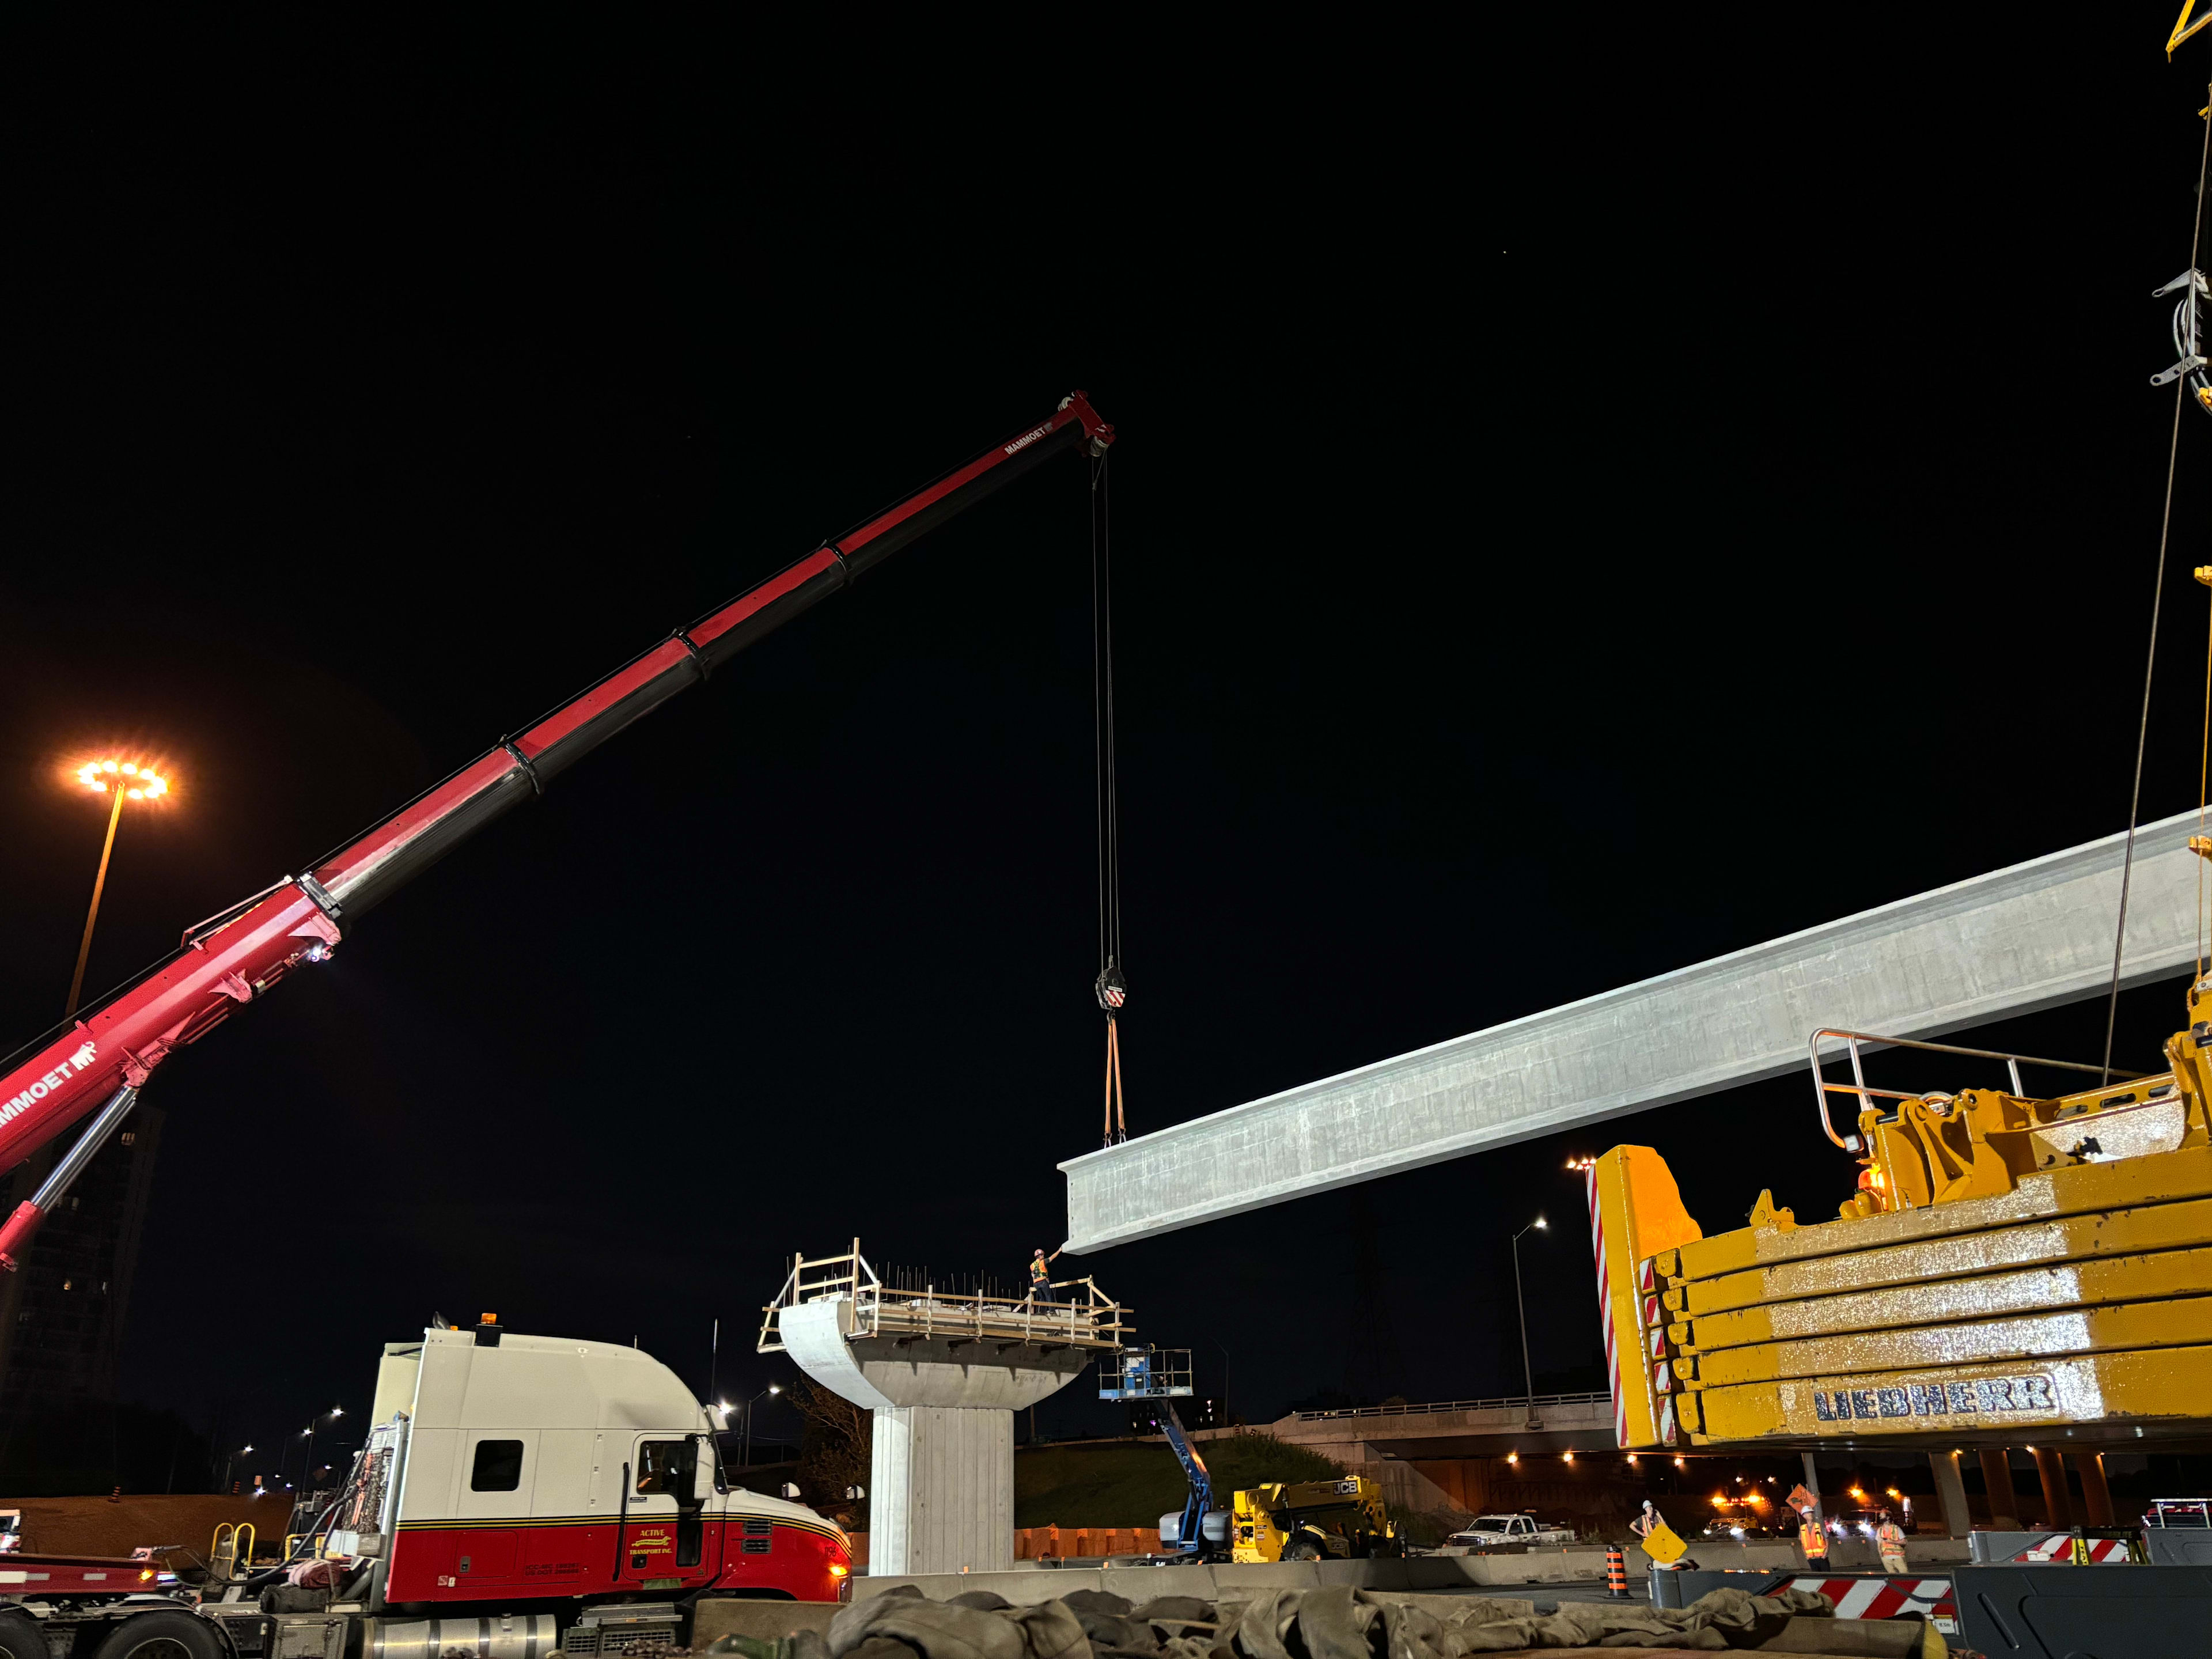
1584 503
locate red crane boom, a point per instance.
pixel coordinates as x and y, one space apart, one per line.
235 956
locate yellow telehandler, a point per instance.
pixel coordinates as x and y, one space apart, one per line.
1313 1521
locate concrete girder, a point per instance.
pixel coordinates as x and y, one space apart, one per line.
2034 936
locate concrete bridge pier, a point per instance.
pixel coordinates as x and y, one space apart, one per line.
943 1497
944 1377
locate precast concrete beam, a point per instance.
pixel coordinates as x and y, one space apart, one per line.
2030 937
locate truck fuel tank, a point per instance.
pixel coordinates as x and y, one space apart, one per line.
501 1636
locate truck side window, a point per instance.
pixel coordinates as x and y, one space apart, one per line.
498 1467
658 1465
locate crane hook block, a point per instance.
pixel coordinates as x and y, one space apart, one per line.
1113 990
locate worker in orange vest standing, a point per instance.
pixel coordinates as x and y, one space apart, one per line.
1040 1274
1889 1539
1812 1539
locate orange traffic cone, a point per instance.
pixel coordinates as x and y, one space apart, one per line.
1616 1573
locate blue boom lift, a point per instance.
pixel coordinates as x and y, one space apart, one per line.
1201 1533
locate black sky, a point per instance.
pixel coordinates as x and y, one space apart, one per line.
1586 501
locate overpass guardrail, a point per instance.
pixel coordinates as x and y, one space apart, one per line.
1507 1402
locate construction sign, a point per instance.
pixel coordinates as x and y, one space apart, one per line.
1661 1544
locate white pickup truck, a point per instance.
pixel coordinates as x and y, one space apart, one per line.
1489 1531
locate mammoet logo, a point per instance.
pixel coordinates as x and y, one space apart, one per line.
1998 1393
80 1062
1029 438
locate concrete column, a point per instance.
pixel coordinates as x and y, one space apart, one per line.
2096 1496
2057 1502
1996 1476
941 1469
941 1490
1951 1491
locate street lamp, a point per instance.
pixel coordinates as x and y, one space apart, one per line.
122 780
307 1469
1521 1305
231 1459
745 1441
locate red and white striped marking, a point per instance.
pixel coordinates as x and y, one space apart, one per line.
1889 1598
2058 1547
1605 1312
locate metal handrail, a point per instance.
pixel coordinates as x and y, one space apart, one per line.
1500 1402
1093 1319
1822 1088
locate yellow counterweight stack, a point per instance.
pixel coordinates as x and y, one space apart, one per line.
2059 1281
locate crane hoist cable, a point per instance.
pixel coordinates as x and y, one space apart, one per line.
2192 288
1111 988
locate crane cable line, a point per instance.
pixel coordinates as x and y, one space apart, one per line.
2191 285
1111 988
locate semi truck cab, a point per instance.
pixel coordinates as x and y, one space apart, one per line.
518 1495
505 1467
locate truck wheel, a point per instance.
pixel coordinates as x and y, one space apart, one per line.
20 1638
163 1634
1298 1549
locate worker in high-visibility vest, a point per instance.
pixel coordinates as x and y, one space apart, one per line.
1040 1274
1889 1539
1812 1538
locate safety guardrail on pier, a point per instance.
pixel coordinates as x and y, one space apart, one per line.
1077 1312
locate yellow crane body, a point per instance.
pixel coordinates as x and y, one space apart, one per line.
2009 1268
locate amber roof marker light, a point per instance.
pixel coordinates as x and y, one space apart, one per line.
121 781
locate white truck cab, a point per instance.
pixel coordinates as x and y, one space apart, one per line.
503 1466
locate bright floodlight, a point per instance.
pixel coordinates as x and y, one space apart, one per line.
1540 1221
145 781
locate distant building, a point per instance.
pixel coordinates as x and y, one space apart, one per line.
61 1316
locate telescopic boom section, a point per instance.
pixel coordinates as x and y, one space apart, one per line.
235 956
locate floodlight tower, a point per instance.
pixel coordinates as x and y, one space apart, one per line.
120 780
